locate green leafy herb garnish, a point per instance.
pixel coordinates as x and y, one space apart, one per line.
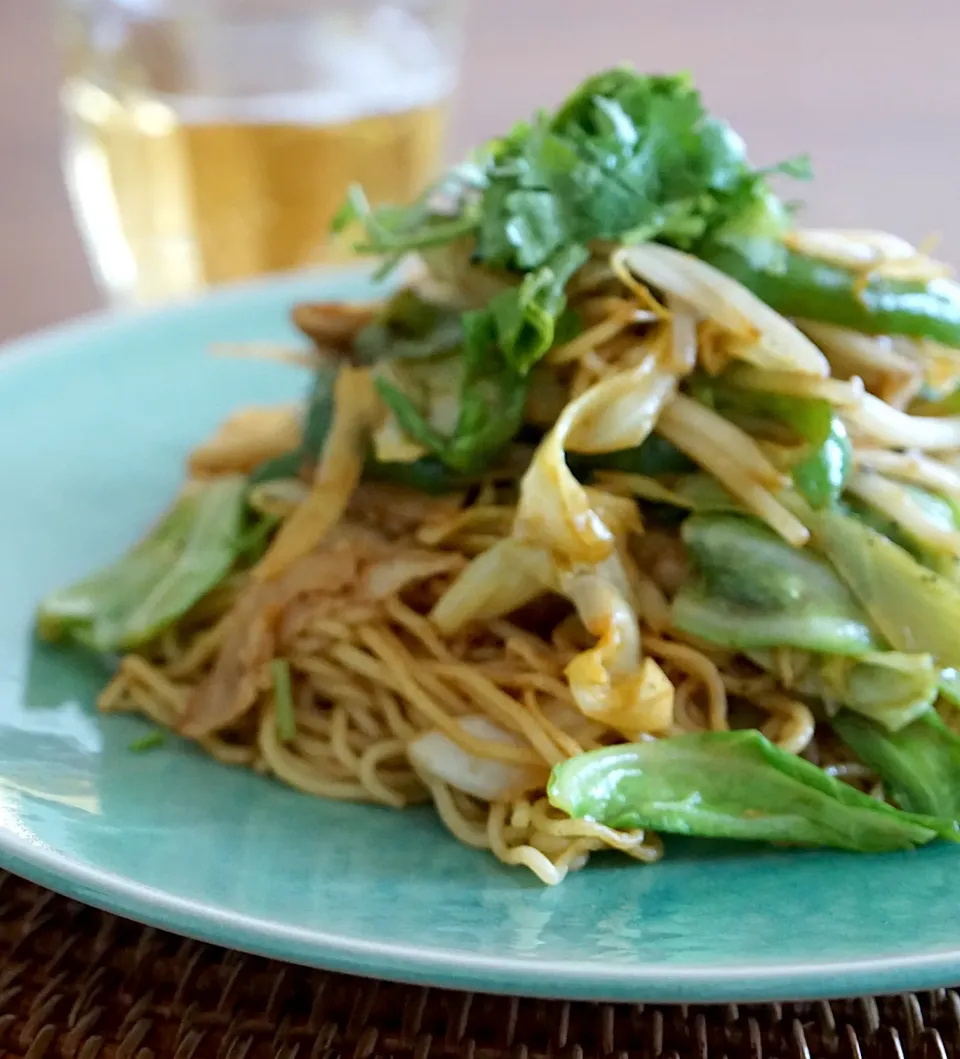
627 157
284 713
150 741
493 396
526 318
625 154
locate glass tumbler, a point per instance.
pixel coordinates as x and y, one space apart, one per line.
214 140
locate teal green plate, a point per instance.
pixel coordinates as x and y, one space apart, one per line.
95 421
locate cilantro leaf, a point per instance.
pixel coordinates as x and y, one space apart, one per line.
526 317
492 400
627 157
626 153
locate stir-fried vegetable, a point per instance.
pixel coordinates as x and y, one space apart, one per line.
172 568
919 765
150 741
950 685
821 462
500 580
437 757
625 157
691 492
883 369
816 289
408 328
631 466
889 427
736 459
756 591
890 687
337 474
914 468
654 456
929 520
730 785
821 475
754 332
913 608
490 408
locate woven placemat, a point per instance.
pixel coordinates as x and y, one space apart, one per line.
81 984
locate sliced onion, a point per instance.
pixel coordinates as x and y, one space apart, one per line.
757 333
850 248
683 336
887 372
619 412
894 500
439 757
911 467
734 459
917 269
685 416
854 353
875 419
838 392
874 252
939 364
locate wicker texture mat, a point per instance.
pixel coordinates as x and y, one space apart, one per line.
80 984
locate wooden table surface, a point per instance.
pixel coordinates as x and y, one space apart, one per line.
871 88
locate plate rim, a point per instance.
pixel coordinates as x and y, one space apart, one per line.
442 967
454 969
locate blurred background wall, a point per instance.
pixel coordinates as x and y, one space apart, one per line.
871 88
